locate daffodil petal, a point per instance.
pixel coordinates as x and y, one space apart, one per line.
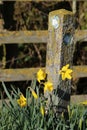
65 67
22 101
41 75
48 86
63 76
69 71
68 76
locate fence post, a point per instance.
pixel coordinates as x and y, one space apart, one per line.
59 53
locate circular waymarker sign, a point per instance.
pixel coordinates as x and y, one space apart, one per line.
55 21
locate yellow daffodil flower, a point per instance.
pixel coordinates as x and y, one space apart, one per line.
34 94
65 72
22 101
48 86
41 75
84 103
42 110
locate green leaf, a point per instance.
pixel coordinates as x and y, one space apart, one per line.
10 98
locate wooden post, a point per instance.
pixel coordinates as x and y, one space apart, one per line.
59 53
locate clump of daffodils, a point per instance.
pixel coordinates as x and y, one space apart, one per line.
47 86
65 73
41 76
32 112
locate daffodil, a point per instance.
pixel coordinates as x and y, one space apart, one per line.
48 86
22 101
42 110
41 75
34 94
65 72
84 103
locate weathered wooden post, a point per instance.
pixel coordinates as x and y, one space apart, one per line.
59 53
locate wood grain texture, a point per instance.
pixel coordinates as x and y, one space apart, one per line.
60 53
10 37
80 71
19 37
76 99
80 35
29 73
18 74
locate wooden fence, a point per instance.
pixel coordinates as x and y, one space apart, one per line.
20 37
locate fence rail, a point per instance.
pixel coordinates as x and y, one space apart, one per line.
29 73
19 37
11 37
